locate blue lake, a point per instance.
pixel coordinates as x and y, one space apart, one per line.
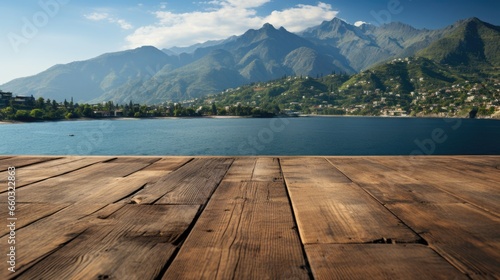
247 136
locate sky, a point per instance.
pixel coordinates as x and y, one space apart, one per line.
37 34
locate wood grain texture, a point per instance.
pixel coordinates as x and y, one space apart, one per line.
23 161
168 164
449 175
47 235
241 169
311 171
492 162
267 170
378 261
68 188
78 188
124 188
198 188
246 232
369 170
436 207
48 169
232 218
146 160
29 213
453 169
134 242
330 209
484 170
466 236
193 183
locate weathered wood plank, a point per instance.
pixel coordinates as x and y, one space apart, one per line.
312 170
267 170
393 192
81 213
22 161
329 210
481 170
168 164
436 167
122 188
147 160
246 231
435 207
438 172
118 189
160 169
241 239
77 185
44 170
46 235
474 193
467 237
134 242
364 170
492 162
193 183
29 213
241 169
199 188
378 261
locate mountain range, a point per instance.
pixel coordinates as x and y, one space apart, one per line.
149 75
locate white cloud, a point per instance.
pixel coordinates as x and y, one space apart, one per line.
246 3
97 16
359 23
224 18
123 24
295 19
237 3
100 16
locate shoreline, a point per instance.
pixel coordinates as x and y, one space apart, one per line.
7 122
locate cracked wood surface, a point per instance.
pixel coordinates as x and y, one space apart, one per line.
253 217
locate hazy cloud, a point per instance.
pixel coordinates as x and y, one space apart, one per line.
100 16
222 19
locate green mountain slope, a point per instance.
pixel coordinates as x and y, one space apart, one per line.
257 55
87 80
410 86
367 45
148 75
473 44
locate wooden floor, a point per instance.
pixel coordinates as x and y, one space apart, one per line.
253 218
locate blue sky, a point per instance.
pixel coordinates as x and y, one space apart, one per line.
38 34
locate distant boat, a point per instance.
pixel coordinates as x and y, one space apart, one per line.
71 135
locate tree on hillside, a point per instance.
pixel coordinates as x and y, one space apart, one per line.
214 109
40 103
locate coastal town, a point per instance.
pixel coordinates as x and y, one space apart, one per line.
458 100
401 88
338 94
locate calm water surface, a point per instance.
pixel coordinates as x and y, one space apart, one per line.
289 136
